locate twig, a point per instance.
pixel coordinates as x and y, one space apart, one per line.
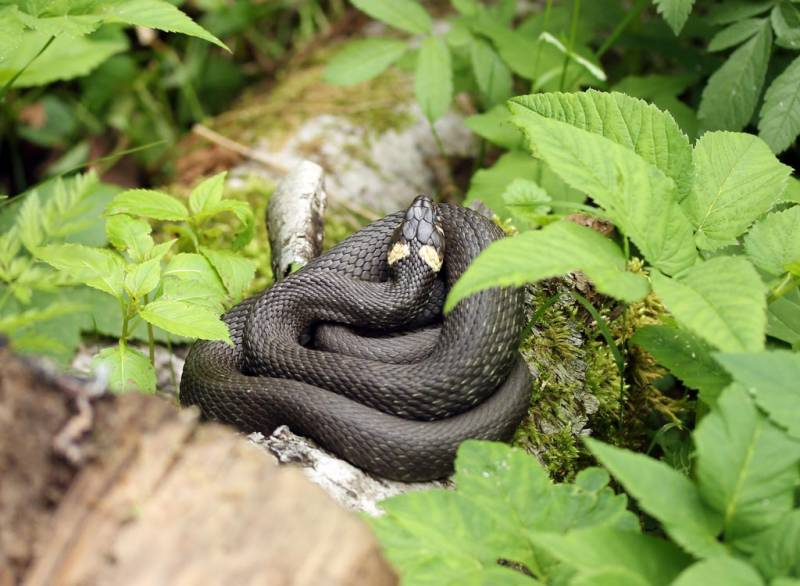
236 147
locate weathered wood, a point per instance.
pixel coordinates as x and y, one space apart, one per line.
164 499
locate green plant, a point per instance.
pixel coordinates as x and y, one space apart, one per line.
184 295
734 520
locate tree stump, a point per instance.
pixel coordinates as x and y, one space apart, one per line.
130 490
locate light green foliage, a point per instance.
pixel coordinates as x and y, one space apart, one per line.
125 369
363 60
735 34
773 244
406 15
779 122
721 300
731 95
559 248
675 12
737 179
432 84
502 502
719 570
771 377
491 74
527 202
45 42
686 356
783 318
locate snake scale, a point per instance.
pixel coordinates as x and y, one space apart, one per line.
397 397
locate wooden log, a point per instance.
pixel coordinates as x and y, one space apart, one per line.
160 499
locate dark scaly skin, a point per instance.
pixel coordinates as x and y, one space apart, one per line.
400 421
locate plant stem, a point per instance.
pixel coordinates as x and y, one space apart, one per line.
438 139
621 26
151 341
10 82
788 283
573 30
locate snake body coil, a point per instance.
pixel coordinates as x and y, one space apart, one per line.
396 404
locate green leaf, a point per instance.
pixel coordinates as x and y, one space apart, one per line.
194 267
735 34
207 194
746 467
362 60
686 356
590 66
773 243
160 250
526 201
779 121
557 249
734 10
730 96
737 179
29 222
655 561
143 278
157 14
243 213
126 233
184 319
406 15
783 318
235 271
66 58
786 24
675 12
495 126
778 551
193 292
771 377
629 122
149 204
720 570
638 197
491 74
97 268
433 83
667 495
127 369
721 300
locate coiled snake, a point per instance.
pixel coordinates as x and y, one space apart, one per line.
393 401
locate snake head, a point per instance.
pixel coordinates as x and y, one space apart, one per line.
419 233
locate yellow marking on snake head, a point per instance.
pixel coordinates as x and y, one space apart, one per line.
431 257
398 252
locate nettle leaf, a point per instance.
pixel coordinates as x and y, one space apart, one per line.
194 267
730 96
97 268
647 559
193 292
126 369
157 14
235 271
746 467
185 319
495 126
735 34
142 278
737 179
406 15
778 550
207 194
433 82
637 197
160 250
29 222
686 356
667 495
149 204
363 59
773 243
675 12
526 201
786 24
720 570
559 248
491 74
721 300
779 121
783 318
129 234
641 127
734 10
66 58
771 377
